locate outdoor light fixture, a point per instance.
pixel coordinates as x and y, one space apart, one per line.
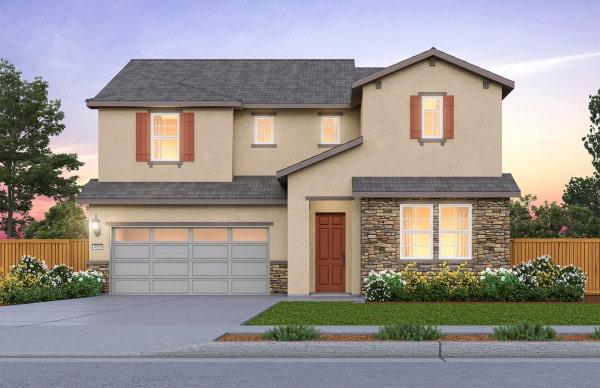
95 226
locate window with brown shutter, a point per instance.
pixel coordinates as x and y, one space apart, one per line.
186 142
142 136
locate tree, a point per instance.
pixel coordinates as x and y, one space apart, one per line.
585 192
66 219
28 167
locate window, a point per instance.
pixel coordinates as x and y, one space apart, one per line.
131 234
264 130
330 130
416 231
165 137
170 234
249 234
455 231
210 234
432 117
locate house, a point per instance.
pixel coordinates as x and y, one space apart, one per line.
298 176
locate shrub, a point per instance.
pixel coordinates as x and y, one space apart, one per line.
59 274
525 331
408 332
596 333
383 286
29 271
292 333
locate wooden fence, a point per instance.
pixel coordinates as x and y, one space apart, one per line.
581 252
73 253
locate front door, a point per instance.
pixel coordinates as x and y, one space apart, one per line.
330 252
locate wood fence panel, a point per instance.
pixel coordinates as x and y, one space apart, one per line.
581 252
73 253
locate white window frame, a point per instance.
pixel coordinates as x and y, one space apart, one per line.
441 99
337 128
402 230
256 118
153 137
469 231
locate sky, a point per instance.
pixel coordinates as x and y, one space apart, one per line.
551 49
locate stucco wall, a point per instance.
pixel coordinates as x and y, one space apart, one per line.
297 135
213 148
111 214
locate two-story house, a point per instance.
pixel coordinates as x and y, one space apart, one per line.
299 176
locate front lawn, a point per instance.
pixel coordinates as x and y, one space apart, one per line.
349 313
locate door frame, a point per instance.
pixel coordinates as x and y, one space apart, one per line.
316 259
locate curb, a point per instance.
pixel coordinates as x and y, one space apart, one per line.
520 349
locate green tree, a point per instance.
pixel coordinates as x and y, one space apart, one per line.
64 220
28 167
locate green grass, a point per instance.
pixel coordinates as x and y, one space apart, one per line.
348 313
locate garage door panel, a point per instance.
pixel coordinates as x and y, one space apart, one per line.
248 286
128 268
249 251
170 251
209 269
131 286
170 268
248 269
210 286
209 251
170 286
132 252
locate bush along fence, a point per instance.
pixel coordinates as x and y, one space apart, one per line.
31 281
536 280
73 253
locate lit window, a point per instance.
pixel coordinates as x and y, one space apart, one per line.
416 231
131 234
249 234
264 132
165 136
431 107
330 130
170 234
210 234
455 231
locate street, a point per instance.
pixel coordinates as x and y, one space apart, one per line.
30 372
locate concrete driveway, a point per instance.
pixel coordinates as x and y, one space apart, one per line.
122 325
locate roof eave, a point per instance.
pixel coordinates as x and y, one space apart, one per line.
437 194
507 85
95 104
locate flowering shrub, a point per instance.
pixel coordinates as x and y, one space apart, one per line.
537 280
29 282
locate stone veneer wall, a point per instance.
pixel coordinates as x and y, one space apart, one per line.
104 268
380 234
278 273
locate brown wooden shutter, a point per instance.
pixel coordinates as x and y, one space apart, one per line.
142 136
186 137
449 117
415 117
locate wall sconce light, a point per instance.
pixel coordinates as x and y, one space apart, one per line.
95 226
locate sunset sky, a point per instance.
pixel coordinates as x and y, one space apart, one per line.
550 49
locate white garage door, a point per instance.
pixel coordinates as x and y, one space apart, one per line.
171 260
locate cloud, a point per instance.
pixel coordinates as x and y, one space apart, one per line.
541 65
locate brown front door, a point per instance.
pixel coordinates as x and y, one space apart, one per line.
330 252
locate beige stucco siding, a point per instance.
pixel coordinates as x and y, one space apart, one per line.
213 149
297 135
174 214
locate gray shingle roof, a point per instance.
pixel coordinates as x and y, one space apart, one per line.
362 72
504 186
249 81
243 189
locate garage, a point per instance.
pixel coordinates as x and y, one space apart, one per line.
157 260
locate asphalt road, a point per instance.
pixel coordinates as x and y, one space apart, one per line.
298 373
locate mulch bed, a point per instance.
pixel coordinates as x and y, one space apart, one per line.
369 337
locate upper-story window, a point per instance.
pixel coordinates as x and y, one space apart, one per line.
432 117
164 138
330 130
264 130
